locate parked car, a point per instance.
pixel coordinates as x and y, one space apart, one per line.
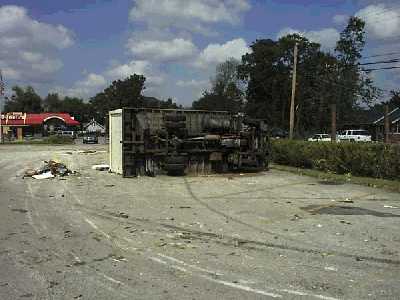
358 135
90 139
69 133
320 137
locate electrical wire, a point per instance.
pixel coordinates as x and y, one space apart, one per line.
382 55
396 60
383 68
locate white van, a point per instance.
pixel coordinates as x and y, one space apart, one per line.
358 135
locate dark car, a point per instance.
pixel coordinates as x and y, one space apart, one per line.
90 139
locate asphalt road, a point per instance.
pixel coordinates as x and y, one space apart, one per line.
95 235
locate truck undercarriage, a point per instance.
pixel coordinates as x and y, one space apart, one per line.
188 141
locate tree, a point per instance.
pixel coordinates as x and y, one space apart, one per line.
23 100
77 108
354 85
52 103
226 91
268 70
121 93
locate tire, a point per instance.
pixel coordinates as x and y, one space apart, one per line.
175 118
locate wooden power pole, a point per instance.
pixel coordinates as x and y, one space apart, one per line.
294 77
387 124
333 131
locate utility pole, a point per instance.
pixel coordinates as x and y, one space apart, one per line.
333 131
387 124
294 77
1 96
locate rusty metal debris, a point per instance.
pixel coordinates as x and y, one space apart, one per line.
50 169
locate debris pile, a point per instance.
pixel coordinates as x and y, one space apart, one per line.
50 169
103 167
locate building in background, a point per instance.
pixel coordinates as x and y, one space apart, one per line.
94 127
19 125
394 123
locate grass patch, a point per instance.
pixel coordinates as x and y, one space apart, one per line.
390 185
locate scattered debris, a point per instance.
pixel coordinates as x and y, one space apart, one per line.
295 218
46 175
50 169
345 222
389 206
120 215
24 211
347 200
101 167
86 151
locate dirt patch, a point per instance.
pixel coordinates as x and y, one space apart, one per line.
346 211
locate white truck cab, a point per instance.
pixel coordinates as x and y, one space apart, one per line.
354 135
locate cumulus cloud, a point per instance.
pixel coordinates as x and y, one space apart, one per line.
162 51
84 88
192 83
327 37
217 53
190 15
28 48
141 67
381 21
341 19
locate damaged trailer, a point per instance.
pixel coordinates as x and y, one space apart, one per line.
145 141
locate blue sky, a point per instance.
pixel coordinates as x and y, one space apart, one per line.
77 47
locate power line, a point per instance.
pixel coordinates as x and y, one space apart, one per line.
380 62
381 55
383 68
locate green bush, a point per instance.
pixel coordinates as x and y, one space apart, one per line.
51 140
56 139
359 159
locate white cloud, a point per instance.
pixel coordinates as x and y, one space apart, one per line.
327 37
93 80
162 51
217 53
341 19
28 48
190 15
140 67
192 83
381 21
85 88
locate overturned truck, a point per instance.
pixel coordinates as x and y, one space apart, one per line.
147 141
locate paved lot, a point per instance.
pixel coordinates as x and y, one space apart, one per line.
253 236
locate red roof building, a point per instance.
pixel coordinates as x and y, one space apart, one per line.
27 119
19 124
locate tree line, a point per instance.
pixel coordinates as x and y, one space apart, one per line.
121 93
260 84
